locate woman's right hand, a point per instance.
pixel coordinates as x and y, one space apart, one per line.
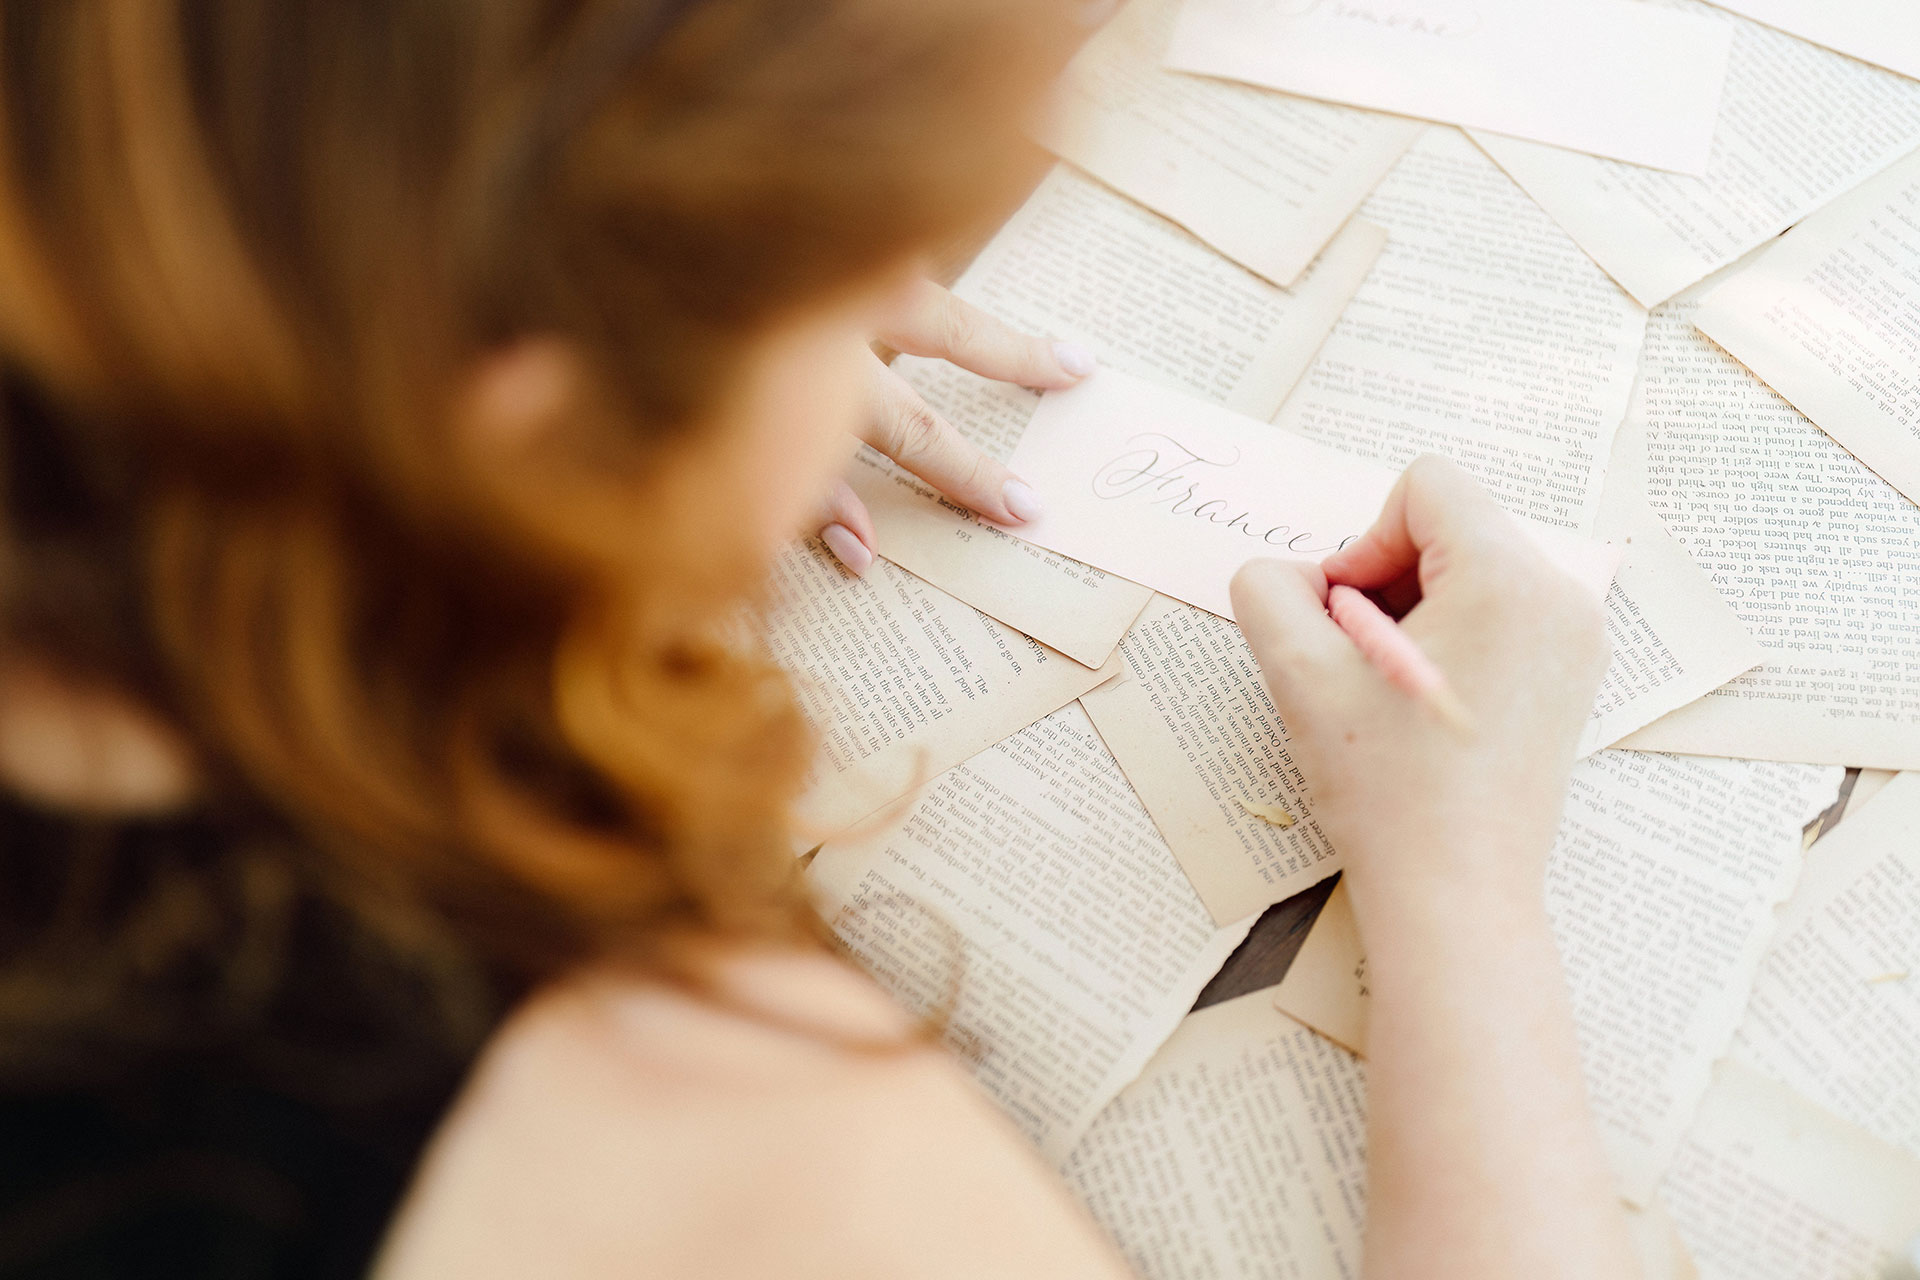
1424 811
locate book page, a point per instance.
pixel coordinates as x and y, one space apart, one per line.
1830 318
1147 298
1612 77
1883 32
1769 1185
1798 126
1028 890
1240 1151
1835 1013
1662 886
1484 334
1817 555
900 682
1264 178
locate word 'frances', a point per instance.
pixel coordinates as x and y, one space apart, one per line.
1159 471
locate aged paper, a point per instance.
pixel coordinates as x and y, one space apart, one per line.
900 681
1176 493
1239 1152
1483 333
1265 178
1029 890
1830 318
1883 32
1835 1013
1798 126
1817 555
1629 81
1663 887
1079 261
1769 1185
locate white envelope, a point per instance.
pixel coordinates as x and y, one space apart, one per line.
1617 78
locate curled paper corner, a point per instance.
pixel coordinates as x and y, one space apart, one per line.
1277 814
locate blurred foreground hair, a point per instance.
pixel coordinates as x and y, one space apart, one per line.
251 253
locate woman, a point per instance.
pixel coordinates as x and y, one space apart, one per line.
402 399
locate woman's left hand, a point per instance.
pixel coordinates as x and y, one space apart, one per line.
932 322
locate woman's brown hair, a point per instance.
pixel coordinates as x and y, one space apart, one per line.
251 253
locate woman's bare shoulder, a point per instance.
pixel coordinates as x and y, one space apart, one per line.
792 1126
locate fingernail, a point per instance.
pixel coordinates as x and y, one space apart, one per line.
1075 359
847 549
1022 502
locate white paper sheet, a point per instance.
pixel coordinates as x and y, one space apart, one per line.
1265 178
1177 494
1798 126
1618 79
1883 32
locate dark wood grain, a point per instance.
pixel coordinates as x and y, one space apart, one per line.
1263 959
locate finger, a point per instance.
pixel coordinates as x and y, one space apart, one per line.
847 529
902 426
935 323
844 507
1436 515
1281 606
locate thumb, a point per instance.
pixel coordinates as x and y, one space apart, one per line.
1281 606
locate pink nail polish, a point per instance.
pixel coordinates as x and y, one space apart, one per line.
1075 359
1023 503
847 549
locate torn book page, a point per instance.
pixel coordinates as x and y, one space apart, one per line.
1767 1184
1029 891
1662 886
1829 317
1265 178
899 681
1239 1152
1835 1013
1818 556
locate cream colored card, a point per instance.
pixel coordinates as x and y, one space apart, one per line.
1265 178
1663 886
1798 126
1883 32
1628 81
1079 261
1829 317
1177 494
